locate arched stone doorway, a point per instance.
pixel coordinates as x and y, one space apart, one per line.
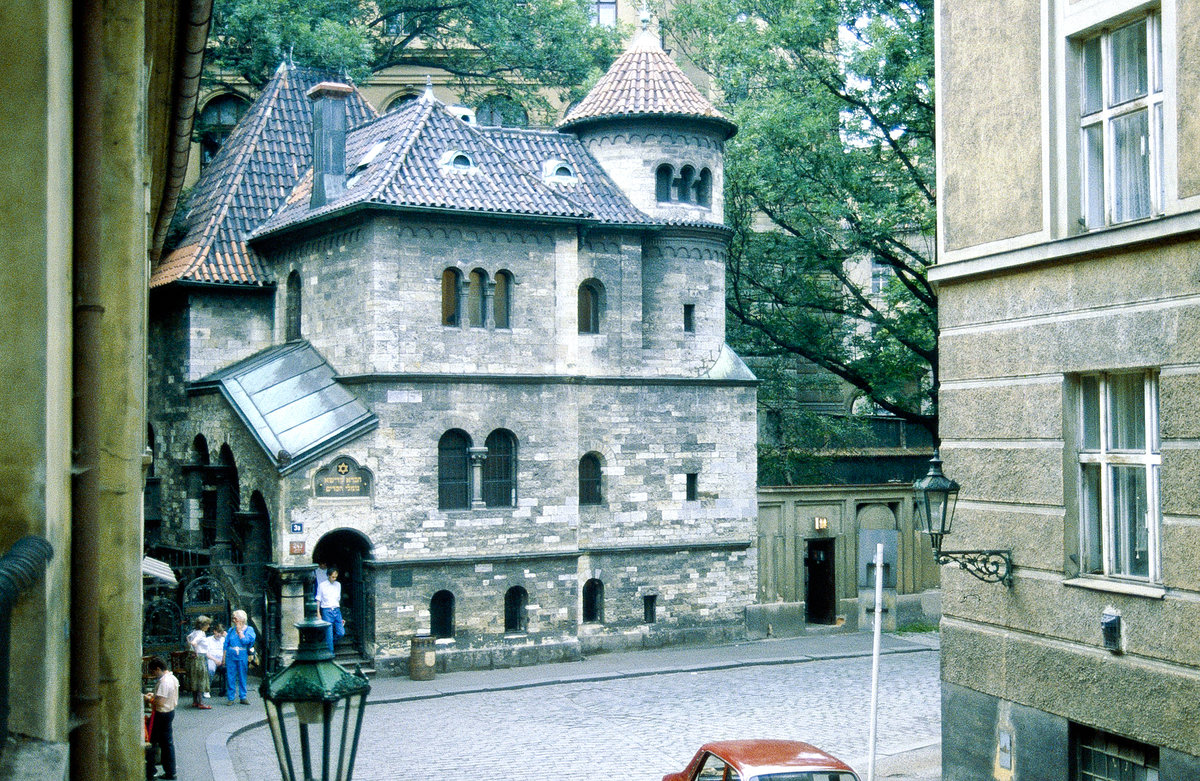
347 549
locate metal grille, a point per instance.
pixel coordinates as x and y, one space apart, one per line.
453 471
499 470
1105 757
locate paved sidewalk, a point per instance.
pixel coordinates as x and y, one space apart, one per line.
201 736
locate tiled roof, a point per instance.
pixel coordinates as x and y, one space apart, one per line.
290 399
402 160
256 168
644 81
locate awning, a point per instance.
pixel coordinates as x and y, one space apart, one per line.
154 568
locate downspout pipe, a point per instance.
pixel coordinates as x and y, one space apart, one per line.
87 265
20 568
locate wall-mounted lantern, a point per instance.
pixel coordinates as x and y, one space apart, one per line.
936 495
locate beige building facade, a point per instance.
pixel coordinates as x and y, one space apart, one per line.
1069 223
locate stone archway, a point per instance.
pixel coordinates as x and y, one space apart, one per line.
347 549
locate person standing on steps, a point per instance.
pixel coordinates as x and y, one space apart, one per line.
329 600
239 645
163 701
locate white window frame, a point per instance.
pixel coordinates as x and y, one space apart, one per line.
1148 458
1152 103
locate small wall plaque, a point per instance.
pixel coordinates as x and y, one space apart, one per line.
342 477
298 528
296 548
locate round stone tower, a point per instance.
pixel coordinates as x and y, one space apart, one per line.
659 139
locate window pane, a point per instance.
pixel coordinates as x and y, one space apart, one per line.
1089 404
1129 63
1093 175
1131 166
1159 157
1131 544
475 300
1126 412
1092 86
1089 512
1156 43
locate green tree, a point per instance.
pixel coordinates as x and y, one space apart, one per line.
829 185
521 44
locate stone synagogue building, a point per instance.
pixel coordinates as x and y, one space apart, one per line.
480 370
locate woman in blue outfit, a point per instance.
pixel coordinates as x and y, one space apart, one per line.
239 645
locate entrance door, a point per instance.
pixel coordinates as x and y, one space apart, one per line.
820 601
346 549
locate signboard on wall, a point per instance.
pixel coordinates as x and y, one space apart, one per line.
342 477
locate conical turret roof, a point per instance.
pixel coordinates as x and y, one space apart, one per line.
644 81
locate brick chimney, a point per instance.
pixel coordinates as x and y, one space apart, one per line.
329 141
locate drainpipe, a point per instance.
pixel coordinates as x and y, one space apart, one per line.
20 568
88 313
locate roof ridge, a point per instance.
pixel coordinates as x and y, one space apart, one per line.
400 156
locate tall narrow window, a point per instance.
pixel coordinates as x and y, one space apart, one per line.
451 305
500 469
662 183
454 471
590 303
1118 475
292 330
476 301
593 602
649 608
693 486
683 185
703 187
516 601
441 615
502 299
689 318
589 480
1121 99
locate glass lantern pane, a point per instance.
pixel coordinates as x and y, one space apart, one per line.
1129 69
1127 412
1089 410
1089 521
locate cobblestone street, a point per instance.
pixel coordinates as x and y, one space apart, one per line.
636 728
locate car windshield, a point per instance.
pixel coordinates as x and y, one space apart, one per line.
809 775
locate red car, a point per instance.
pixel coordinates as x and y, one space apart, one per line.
763 760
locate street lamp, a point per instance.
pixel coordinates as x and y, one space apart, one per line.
936 495
325 698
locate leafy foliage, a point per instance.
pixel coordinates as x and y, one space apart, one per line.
520 44
829 178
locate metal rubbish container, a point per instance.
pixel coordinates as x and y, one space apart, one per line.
422 660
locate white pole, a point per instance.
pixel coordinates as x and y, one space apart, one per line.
875 661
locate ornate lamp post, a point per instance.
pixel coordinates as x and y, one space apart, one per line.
324 698
936 495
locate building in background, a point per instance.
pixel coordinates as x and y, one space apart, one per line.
1069 182
96 129
481 370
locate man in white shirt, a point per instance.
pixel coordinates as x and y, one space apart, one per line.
163 702
329 600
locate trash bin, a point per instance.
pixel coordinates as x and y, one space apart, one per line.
422 660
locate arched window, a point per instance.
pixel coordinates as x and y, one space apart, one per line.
703 187
501 110
476 312
502 299
683 185
593 602
500 469
662 183
454 471
441 614
217 120
461 161
400 101
292 316
591 301
516 618
451 306
200 450
590 489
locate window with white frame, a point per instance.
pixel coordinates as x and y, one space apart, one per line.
1121 123
604 13
1118 475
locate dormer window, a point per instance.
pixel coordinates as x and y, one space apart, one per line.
457 160
558 172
